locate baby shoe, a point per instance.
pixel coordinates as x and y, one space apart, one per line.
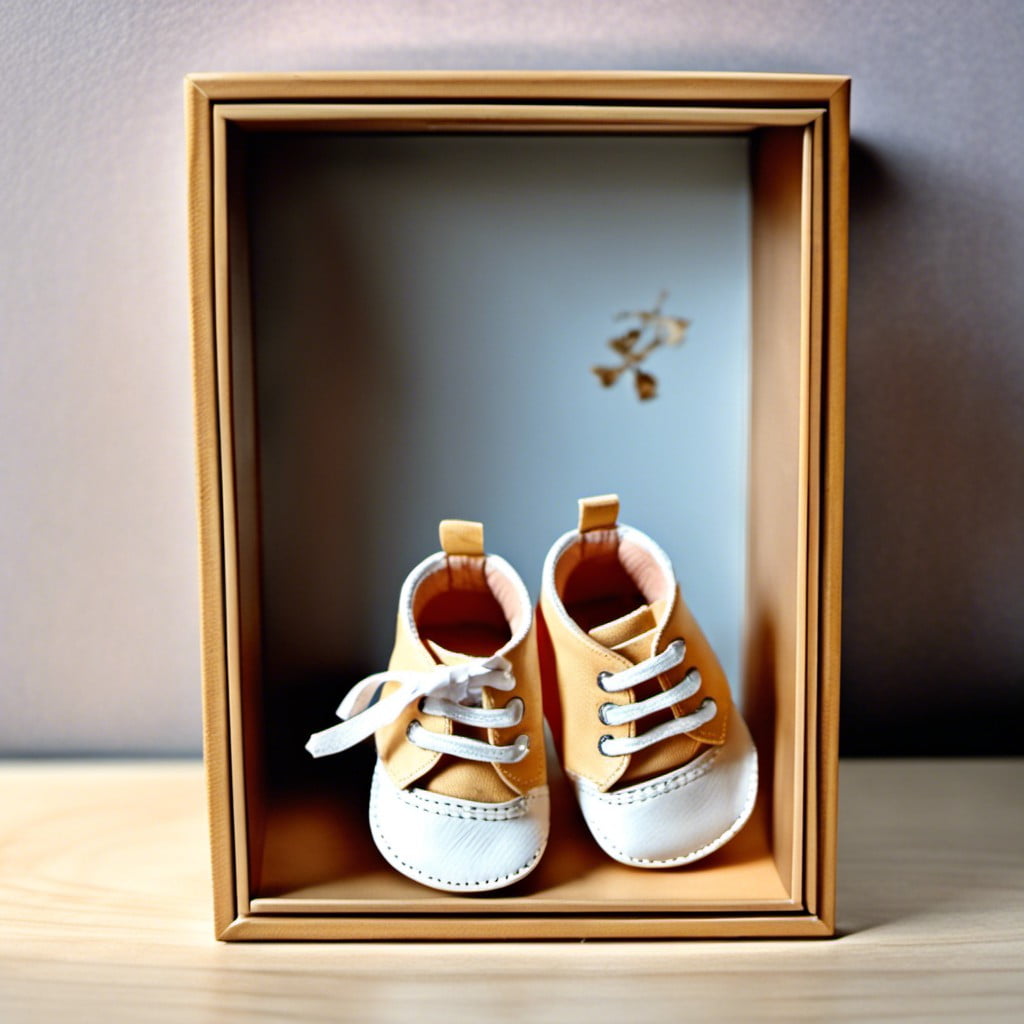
662 762
459 799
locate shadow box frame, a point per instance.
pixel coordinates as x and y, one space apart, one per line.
799 129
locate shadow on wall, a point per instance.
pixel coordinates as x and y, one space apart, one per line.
309 289
933 631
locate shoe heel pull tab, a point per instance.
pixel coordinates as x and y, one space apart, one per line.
599 513
460 537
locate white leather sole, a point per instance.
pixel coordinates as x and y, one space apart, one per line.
457 845
682 815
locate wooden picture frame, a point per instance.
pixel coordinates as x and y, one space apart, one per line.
798 125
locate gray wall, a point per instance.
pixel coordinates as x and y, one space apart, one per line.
98 615
425 315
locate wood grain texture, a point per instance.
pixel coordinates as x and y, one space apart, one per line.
208 476
446 117
780 475
634 86
776 618
104 884
833 438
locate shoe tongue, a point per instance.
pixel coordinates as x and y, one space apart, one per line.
632 635
446 657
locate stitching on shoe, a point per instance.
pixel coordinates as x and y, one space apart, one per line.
691 855
659 787
450 809
421 874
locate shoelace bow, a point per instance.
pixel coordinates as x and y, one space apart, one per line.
621 714
449 691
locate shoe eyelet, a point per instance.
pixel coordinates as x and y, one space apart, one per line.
602 711
411 727
679 640
601 742
601 677
420 703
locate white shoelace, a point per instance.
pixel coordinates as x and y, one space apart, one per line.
621 714
449 691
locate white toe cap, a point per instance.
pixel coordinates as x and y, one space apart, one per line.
682 815
457 845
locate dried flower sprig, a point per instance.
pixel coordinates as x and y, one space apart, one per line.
654 329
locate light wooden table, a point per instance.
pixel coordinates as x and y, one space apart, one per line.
104 915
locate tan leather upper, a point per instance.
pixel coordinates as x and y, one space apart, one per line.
578 657
407 763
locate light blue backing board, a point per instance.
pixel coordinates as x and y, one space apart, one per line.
426 313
